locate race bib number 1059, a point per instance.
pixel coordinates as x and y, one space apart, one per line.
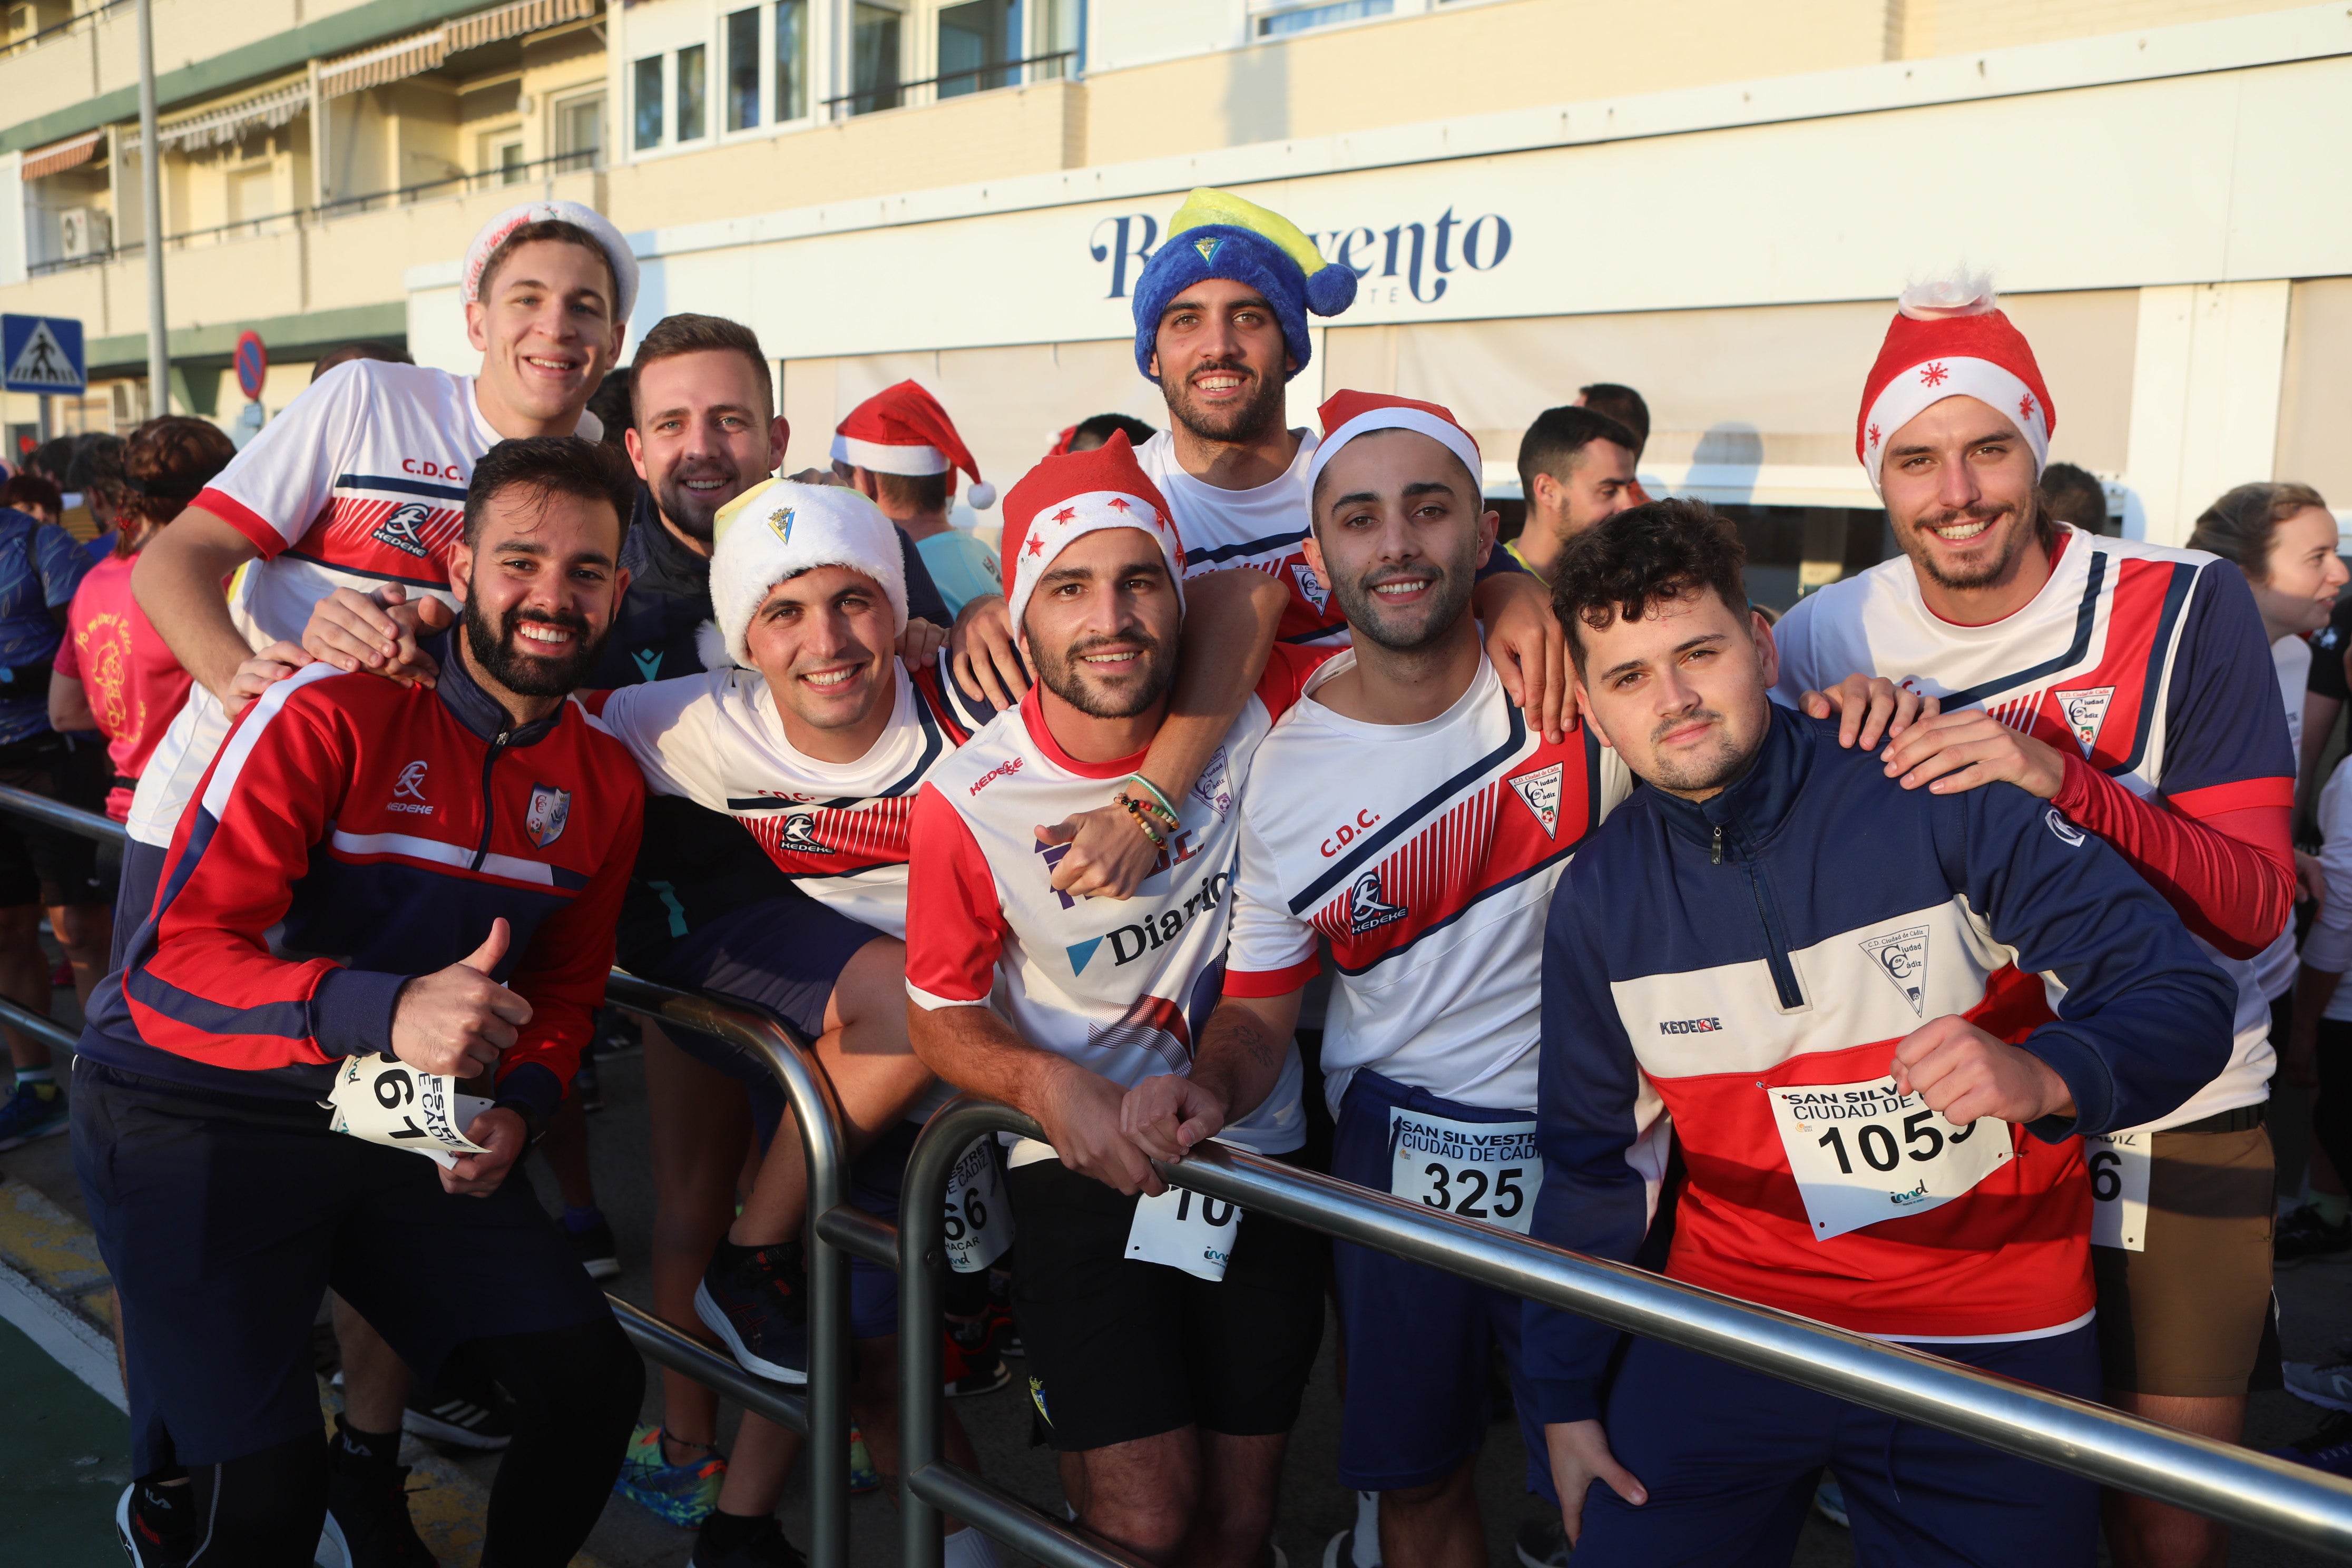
1862 1153
1480 1169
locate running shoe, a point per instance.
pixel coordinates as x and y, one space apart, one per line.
1828 1501
759 1305
2300 1236
1543 1542
863 1477
2330 1449
597 1251
462 1410
2325 1383
32 1110
972 1368
767 1548
586 1087
682 1495
368 1522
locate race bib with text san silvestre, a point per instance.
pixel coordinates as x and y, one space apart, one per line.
1862 1153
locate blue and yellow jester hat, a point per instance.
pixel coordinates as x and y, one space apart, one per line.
1217 235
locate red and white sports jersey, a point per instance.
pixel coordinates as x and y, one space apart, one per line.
2131 656
1123 988
1262 528
358 482
837 830
1426 855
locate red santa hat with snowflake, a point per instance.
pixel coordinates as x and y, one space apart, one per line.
902 429
1950 339
1066 497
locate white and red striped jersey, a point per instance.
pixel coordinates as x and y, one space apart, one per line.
1121 987
1426 855
837 830
358 482
1262 528
2146 661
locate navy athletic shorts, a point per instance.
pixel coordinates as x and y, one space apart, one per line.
225 1219
1421 1343
1730 1458
785 955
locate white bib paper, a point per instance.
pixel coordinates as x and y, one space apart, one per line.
2119 1167
1480 1169
1862 1153
978 1220
383 1099
1185 1230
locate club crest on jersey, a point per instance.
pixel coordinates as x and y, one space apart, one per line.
1902 957
1214 787
799 835
1366 910
550 809
1540 791
399 530
2084 711
1311 586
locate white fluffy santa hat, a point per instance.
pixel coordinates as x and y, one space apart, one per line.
780 530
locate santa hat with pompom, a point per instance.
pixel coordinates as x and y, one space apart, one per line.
902 429
1216 234
1078 493
1950 338
779 529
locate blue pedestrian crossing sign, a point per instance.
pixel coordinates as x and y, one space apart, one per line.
42 353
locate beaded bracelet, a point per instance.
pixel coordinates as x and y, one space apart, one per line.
1141 820
1166 810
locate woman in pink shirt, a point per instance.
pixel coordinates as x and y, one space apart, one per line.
113 673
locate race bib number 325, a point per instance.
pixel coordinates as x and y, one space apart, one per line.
1480 1169
1862 1153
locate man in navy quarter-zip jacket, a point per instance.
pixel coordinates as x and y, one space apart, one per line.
430 872
1877 1019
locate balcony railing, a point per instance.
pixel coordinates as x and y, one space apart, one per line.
51 33
1001 73
304 218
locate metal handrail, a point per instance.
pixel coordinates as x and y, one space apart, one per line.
822 1412
2221 1479
901 88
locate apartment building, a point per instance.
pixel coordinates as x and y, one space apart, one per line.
1711 200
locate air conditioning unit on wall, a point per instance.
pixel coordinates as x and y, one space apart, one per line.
83 231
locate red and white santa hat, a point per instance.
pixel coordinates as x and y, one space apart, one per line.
1950 338
902 429
1348 414
1066 497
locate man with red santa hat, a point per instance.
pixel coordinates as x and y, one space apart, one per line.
900 449
2131 687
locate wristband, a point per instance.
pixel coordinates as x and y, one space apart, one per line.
1166 810
1141 821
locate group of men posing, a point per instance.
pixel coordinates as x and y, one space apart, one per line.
1847 977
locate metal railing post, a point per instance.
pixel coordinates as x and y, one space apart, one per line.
828 1265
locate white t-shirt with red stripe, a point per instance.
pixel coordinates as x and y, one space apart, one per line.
1263 529
1121 987
837 830
361 481
1426 855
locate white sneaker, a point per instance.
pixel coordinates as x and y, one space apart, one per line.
2327 1384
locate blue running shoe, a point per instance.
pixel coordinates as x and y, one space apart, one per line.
683 1495
756 1300
863 1477
1828 1501
33 1110
2330 1449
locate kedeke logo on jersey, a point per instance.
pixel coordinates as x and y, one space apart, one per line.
1366 910
799 835
399 530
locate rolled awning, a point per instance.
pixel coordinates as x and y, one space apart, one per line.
59 156
425 51
230 121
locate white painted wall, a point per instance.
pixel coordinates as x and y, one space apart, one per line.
2205 398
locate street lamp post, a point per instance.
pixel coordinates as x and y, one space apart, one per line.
151 179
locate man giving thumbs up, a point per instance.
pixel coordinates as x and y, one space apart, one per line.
375 868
